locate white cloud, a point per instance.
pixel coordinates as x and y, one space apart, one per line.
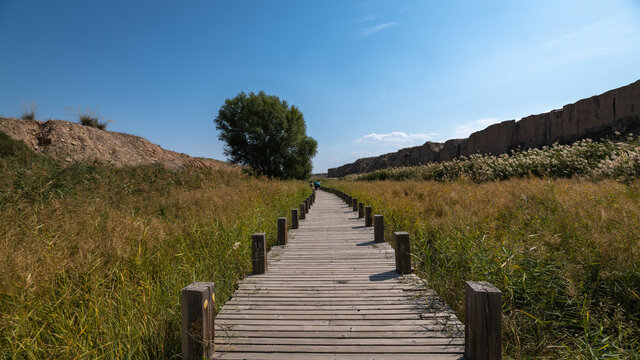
604 37
363 19
396 137
374 29
464 130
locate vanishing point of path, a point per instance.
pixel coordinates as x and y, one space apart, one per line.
332 293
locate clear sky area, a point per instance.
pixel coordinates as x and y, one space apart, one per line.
370 77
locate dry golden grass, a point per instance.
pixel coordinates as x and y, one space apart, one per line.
565 253
92 259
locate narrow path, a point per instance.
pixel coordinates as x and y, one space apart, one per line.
332 293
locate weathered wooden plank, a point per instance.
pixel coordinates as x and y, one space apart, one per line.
361 335
333 356
342 349
342 341
332 292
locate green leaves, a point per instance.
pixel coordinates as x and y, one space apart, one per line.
265 133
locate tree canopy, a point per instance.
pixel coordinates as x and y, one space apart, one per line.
265 133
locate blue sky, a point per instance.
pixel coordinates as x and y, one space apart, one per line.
370 76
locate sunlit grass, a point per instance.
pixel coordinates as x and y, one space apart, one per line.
608 159
565 253
92 258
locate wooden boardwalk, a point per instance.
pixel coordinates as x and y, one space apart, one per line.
332 293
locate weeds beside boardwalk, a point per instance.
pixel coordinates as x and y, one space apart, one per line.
565 253
92 258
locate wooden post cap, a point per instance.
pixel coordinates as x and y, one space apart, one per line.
282 231
197 303
259 253
403 254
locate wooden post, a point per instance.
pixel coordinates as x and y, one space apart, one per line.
198 303
483 317
360 210
349 200
403 256
378 228
354 204
282 231
259 253
294 218
368 219
307 205
302 211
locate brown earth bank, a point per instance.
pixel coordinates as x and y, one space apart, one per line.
615 111
71 142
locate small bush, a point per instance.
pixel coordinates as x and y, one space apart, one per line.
618 159
29 111
88 117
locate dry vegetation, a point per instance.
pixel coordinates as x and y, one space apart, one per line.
92 258
564 252
614 159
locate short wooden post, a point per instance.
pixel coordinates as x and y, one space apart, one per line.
198 303
368 219
259 253
378 228
354 204
483 321
294 218
360 210
307 205
349 200
403 255
282 231
303 210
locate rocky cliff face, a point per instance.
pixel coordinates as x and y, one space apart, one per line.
69 142
596 117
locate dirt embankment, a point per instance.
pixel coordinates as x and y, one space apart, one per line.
70 142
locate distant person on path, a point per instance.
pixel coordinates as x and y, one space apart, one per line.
316 185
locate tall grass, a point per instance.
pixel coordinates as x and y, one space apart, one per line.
564 252
92 258
619 159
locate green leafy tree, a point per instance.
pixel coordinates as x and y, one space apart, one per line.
265 133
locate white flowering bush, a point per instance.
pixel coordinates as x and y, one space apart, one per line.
619 160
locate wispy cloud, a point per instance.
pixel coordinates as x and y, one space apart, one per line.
363 19
604 37
466 129
396 137
374 29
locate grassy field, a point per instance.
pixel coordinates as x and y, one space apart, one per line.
92 258
564 252
609 159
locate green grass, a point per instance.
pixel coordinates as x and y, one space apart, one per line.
564 252
616 159
93 258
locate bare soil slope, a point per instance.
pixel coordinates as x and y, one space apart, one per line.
69 142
